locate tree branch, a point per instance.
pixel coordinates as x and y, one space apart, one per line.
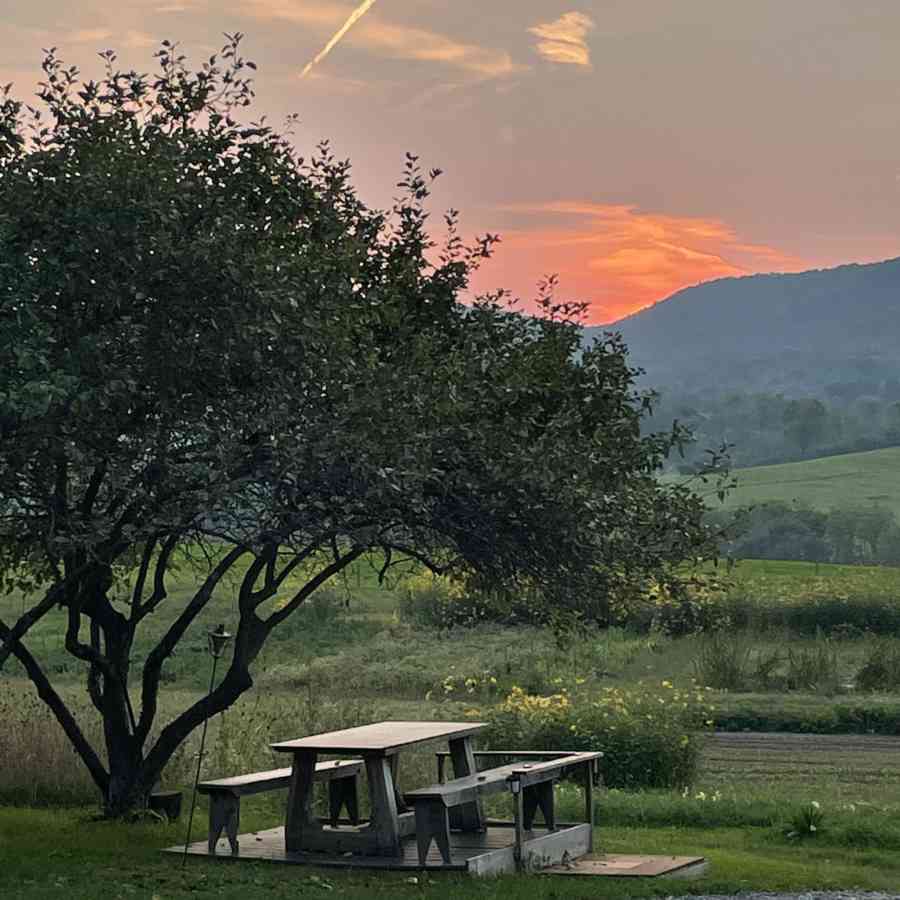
93 489
159 580
312 585
139 582
84 652
34 615
236 681
161 652
59 709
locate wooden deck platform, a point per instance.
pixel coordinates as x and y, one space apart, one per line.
624 865
489 853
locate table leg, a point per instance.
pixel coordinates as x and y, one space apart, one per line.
467 816
589 799
384 821
398 795
299 816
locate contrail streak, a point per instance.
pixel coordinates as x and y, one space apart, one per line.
355 16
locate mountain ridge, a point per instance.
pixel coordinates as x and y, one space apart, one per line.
791 332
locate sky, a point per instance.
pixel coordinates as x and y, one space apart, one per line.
632 147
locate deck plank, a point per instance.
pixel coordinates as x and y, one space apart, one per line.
269 845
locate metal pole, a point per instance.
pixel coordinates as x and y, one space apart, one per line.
187 837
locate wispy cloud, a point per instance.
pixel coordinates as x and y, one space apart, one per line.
564 40
386 39
139 39
87 36
403 42
352 19
621 258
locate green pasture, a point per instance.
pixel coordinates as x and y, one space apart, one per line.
778 580
852 479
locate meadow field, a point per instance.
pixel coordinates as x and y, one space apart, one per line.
851 479
810 651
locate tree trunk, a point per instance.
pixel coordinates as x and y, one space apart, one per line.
128 791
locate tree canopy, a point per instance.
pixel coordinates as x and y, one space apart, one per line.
210 345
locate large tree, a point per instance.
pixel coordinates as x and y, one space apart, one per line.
209 344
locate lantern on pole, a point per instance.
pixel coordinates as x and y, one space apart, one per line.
216 641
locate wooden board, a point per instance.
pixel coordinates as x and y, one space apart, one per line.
259 782
541 852
489 852
380 737
491 781
631 866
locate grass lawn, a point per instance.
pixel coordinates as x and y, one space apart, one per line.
65 854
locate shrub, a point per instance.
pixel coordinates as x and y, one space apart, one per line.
806 821
650 736
723 662
881 669
452 603
691 605
813 668
878 615
808 716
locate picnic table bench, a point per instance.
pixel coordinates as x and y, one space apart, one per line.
379 745
477 845
225 795
531 783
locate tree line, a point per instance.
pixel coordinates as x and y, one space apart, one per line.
767 429
777 530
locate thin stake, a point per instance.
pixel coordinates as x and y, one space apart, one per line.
187 837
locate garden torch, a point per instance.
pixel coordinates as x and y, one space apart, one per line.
217 641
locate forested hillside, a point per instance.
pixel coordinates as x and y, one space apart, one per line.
784 367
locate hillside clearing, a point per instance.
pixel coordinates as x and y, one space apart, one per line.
852 479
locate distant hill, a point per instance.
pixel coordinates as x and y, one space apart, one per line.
793 333
854 479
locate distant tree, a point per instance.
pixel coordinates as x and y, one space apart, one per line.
892 423
211 348
777 530
805 423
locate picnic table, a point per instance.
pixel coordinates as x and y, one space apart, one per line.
378 745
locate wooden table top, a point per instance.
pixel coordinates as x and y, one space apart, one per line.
380 737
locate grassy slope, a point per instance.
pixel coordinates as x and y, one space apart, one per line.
847 480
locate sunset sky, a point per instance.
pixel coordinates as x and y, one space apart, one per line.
634 147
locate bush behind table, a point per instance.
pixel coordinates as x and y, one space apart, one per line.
651 735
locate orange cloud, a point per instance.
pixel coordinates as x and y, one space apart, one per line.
619 258
563 41
403 42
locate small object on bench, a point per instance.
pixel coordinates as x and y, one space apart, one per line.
534 781
225 795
